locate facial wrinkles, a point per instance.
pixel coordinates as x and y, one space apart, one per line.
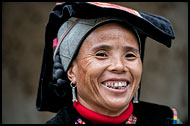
116 35
118 57
109 37
89 76
88 64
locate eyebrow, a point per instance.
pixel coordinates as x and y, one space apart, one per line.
130 48
108 47
99 47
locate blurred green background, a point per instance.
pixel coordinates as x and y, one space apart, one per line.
165 74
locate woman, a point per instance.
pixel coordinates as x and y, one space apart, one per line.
97 59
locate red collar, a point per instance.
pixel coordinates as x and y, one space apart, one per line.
97 118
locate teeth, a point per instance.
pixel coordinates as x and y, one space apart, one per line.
120 84
111 84
115 85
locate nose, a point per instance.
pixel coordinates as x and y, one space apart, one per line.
117 65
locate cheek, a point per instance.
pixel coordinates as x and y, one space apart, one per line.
136 71
89 72
139 69
91 69
88 85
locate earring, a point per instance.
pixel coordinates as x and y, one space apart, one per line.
73 92
135 99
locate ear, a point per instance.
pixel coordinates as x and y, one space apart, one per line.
72 72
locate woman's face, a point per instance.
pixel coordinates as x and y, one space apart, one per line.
107 70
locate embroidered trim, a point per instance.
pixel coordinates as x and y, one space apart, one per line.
79 121
132 120
109 5
55 41
174 116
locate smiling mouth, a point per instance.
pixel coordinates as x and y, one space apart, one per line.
116 84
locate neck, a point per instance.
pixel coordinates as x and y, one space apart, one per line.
105 111
98 118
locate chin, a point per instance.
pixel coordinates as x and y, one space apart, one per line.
118 104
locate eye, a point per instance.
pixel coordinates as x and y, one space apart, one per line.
101 54
130 56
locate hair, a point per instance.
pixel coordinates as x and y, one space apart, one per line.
60 84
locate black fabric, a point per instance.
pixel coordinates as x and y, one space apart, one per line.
156 27
149 113
146 113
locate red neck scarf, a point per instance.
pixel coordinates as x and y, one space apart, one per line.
97 118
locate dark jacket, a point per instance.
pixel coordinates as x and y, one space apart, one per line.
146 113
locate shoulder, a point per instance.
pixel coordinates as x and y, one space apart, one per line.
150 113
65 115
58 118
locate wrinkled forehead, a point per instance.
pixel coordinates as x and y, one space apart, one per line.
74 31
113 31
